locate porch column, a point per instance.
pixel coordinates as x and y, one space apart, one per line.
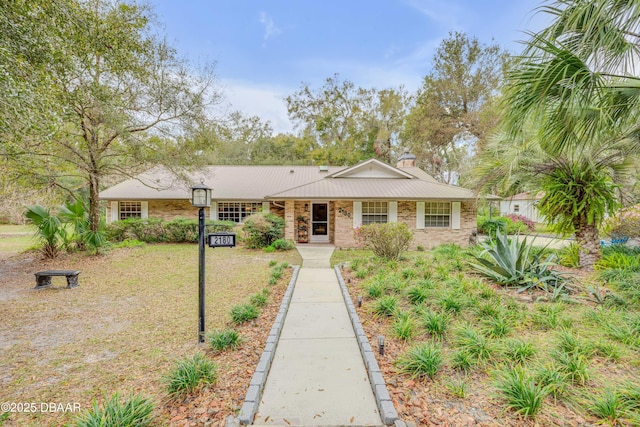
289 220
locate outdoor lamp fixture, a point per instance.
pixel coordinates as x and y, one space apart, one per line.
306 207
201 198
359 301
381 345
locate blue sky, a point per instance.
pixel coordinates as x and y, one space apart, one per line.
266 49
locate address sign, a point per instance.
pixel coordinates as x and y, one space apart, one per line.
222 240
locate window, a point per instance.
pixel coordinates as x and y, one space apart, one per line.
437 214
516 208
237 211
130 210
375 212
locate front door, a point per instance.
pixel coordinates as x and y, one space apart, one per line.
320 222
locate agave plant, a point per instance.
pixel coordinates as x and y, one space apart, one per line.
511 262
50 232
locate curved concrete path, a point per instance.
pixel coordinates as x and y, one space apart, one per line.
317 376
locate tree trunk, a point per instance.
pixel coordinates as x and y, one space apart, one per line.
589 241
94 202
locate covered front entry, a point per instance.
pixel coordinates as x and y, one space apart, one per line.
319 222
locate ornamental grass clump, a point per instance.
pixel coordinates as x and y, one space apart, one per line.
521 392
423 360
135 411
190 374
242 313
224 339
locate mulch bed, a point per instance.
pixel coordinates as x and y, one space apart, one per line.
211 405
424 402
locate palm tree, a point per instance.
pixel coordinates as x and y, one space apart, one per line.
50 232
571 110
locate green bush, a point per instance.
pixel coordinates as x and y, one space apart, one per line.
283 245
153 230
262 229
189 374
625 223
135 411
388 241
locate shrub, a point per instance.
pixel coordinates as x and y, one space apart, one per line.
423 360
243 313
189 374
283 245
625 223
153 230
518 221
388 241
619 261
521 392
262 229
134 411
224 339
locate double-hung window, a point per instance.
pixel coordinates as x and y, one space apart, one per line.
375 212
130 210
237 211
437 214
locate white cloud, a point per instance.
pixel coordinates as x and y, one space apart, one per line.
270 28
264 101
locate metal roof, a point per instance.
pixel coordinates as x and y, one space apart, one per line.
396 189
283 182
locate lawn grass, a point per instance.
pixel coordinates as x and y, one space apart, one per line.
485 329
15 239
133 316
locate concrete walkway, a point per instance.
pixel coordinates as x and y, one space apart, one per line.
317 376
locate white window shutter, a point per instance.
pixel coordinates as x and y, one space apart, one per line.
144 210
393 211
455 215
266 207
115 211
419 215
357 214
213 211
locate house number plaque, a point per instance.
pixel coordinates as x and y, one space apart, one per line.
222 240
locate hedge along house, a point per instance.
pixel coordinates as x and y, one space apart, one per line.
319 204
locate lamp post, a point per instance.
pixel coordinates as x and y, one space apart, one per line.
201 198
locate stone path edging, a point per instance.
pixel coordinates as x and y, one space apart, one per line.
256 386
387 411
